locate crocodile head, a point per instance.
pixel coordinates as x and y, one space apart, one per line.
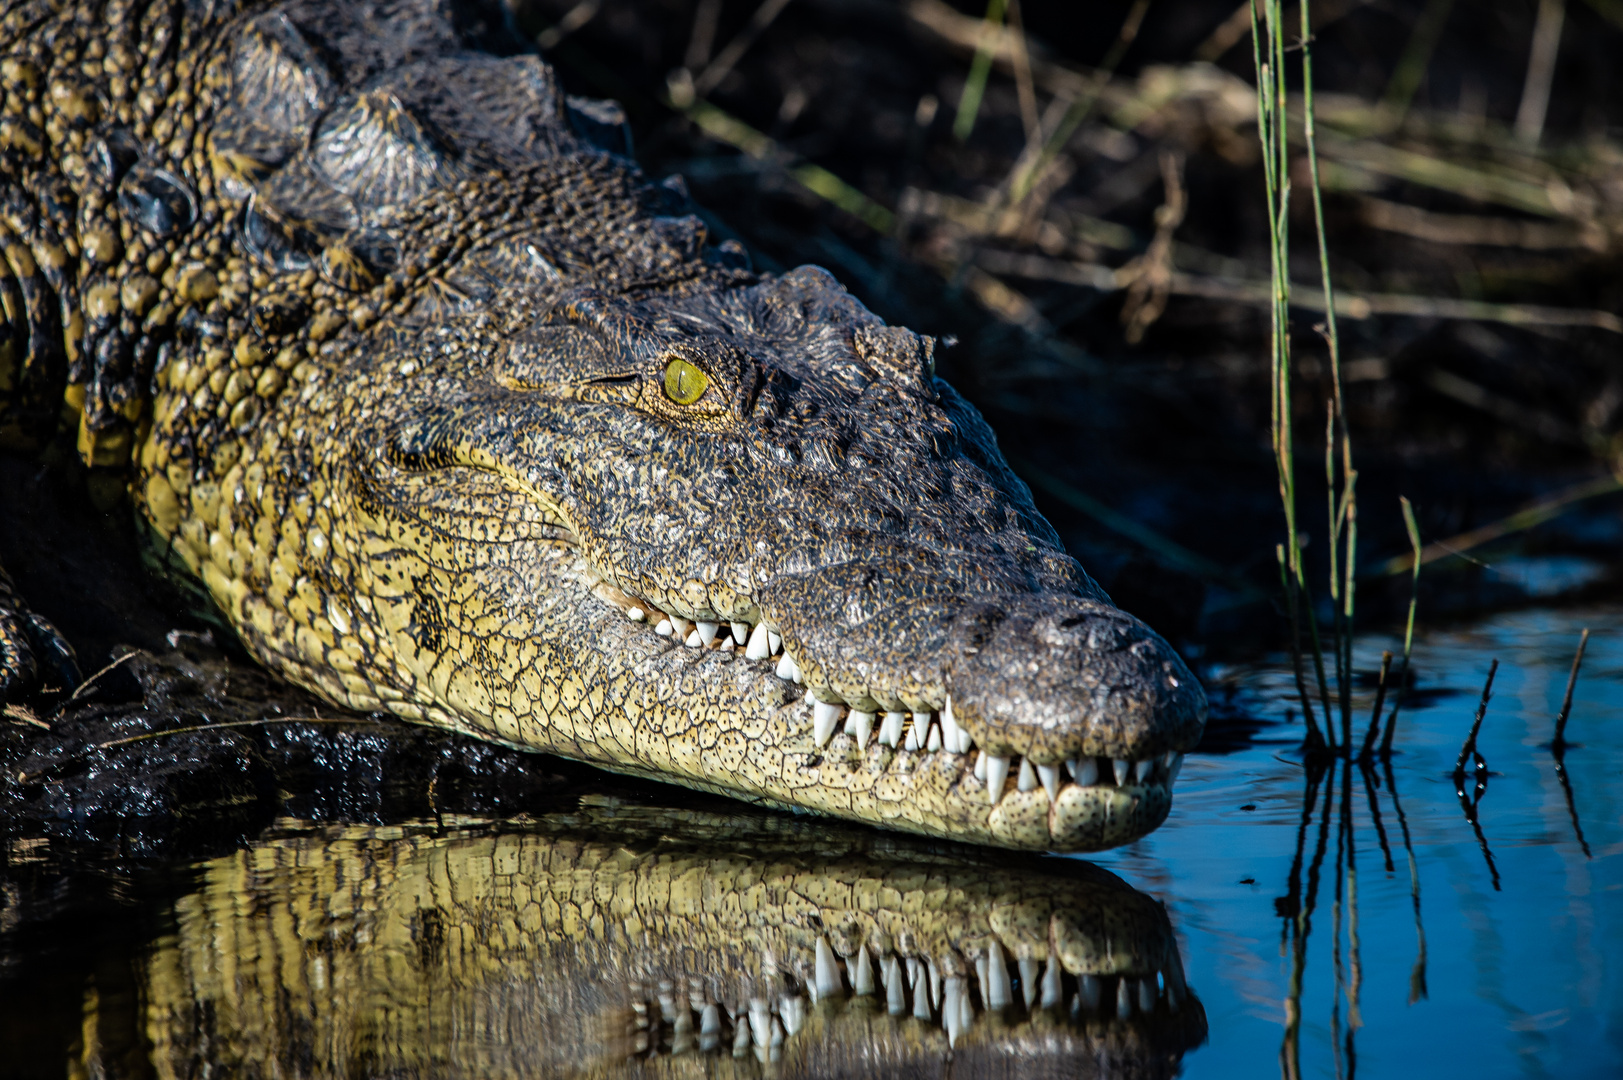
475 426
783 512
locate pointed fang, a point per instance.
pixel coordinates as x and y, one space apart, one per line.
1028 776
997 773
1049 775
825 717
828 971
859 725
756 647
1121 767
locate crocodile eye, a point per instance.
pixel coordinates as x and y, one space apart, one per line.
684 383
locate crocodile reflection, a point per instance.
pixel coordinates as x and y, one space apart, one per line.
625 941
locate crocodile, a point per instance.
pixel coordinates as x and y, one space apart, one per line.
449 411
615 940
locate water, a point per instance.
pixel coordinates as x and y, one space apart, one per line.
1420 942
1520 966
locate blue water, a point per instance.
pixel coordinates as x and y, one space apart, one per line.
1522 960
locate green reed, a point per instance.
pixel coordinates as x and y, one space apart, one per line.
1268 36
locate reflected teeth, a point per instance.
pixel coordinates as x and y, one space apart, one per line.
950 991
828 971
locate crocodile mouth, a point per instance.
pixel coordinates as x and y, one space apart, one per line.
1085 801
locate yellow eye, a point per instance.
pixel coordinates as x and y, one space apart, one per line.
684 383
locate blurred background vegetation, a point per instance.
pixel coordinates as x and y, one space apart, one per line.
1073 192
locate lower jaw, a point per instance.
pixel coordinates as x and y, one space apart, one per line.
1083 819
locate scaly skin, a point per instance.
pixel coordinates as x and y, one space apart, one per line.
454 414
621 941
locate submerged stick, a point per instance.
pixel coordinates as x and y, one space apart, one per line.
1560 740
1468 749
1380 703
1408 631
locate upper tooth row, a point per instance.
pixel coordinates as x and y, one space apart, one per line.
758 642
924 733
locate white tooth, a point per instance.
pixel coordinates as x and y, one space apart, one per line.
828 972
980 766
1049 775
824 718
1028 776
1141 770
710 1028
682 1033
1002 994
741 1037
793 1010
800 676
949 726
707 631
895 989
997 773
932 742
915 737
726 645
1174 765
984 971
1086 771
741 633
966 1010
786 668
935 983
913 970
775 640
952 1016
664 628
760 1021
921 1000
681 627
1029 974
862 977
1052 991
755 648
1121 768
890 732
1124 1000
636 614
1146 994
1089 990
667 1006
694 640
859 725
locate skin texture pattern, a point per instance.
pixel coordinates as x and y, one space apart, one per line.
452 413
620 941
